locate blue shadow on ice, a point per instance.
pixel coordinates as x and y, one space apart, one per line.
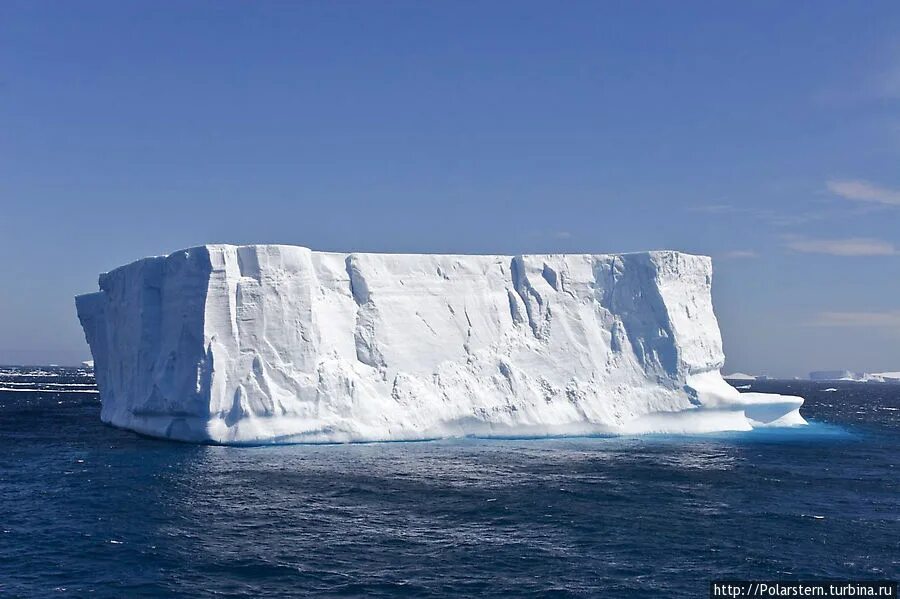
811 433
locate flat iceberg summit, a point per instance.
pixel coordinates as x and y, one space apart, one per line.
278 344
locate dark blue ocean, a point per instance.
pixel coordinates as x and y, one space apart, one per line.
88 510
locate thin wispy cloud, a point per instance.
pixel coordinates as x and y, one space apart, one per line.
850 246
863 191
887 320
770 217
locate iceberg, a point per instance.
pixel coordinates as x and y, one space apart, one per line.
859 377
281 344
740 376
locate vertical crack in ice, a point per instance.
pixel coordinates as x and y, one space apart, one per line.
358 288
364 330
467 346
514 311
527 293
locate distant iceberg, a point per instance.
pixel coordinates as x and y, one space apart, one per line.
276 344
863 377
740 376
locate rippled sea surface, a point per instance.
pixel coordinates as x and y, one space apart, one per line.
88 510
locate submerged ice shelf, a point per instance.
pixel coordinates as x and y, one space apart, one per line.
277 343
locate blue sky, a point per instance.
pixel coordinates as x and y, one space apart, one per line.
765 134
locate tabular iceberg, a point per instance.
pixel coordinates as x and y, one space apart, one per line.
276 343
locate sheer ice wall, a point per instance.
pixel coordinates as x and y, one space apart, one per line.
275 343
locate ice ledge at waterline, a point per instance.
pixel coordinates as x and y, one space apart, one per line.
276 343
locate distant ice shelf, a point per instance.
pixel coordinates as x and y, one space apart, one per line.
277 344
862 377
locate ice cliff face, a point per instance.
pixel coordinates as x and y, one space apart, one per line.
275 343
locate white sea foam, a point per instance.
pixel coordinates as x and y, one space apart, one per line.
38 390
48 385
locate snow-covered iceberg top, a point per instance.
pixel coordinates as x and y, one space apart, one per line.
277 343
